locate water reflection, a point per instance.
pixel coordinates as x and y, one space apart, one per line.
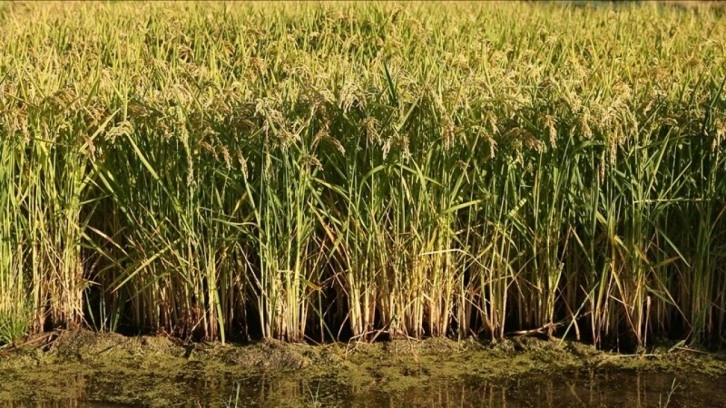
573 389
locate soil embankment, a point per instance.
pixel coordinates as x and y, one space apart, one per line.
158 371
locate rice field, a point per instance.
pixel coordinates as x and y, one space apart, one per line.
351 171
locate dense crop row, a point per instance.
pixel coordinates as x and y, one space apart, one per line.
323 170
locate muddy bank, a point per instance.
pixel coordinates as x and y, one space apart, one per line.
158 371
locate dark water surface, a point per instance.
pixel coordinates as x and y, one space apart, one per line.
574 389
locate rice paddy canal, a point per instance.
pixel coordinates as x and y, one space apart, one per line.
85 369
575 389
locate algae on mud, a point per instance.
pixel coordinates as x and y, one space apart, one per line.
158 371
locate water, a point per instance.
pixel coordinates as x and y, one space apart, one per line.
605 388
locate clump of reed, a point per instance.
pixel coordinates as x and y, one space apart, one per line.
323 171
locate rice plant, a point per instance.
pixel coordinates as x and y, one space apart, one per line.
333 171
